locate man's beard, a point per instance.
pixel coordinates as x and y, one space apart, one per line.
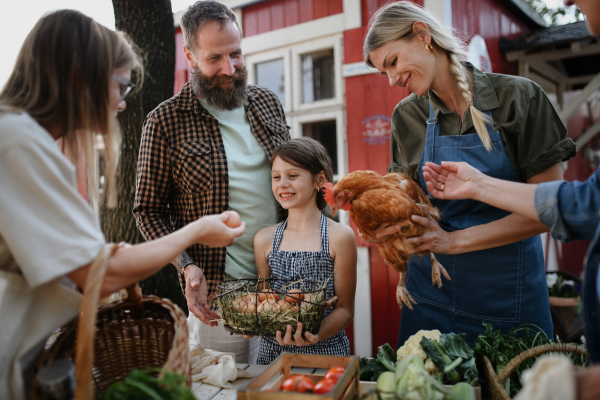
229 98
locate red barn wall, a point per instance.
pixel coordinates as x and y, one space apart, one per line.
182 72
491 19
270 15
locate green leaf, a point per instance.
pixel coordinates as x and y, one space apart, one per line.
387 356
435 353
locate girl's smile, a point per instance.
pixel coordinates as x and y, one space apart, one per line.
291 185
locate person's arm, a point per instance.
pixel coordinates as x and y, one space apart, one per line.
507 230
570 209
153 185
153 181
129 265
343 247
262 247
152 213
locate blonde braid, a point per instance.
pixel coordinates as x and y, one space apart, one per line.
480 119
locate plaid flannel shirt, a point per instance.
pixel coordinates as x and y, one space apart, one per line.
182 168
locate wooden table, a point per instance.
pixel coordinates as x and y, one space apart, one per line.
203 391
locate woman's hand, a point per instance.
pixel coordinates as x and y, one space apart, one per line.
435 239
214 232
297 339
381 234
452 180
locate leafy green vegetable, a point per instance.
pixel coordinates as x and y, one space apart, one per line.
415 383
386 386
141 385
387 356
370 369
462 391
453 357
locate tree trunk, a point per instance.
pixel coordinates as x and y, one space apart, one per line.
149 24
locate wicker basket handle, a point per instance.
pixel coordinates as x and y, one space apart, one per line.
536 351
86 326
134 296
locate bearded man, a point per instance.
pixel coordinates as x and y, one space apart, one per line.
207 150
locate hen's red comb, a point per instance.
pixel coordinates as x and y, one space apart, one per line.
328 192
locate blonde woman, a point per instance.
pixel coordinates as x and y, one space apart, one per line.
71 78
505 127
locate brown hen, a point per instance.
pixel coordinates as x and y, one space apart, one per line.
374 200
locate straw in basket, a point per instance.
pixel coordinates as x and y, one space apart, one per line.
138 332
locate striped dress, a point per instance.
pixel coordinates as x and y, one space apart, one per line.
313 265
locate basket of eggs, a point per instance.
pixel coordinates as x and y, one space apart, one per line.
261 307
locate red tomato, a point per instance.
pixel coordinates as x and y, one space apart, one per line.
335 373
298 383
325 386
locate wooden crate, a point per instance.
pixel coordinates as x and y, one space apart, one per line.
266 385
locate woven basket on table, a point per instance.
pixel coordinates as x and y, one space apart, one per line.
496 382
138 332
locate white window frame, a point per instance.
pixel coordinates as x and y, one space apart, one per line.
254 59
342 147
332 42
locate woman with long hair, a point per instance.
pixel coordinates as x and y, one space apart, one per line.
70 79
503 125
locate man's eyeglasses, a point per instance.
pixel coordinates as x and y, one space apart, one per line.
126 87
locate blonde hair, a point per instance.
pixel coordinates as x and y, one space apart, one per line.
62 76
394 21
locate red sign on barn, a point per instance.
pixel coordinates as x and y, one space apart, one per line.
377 129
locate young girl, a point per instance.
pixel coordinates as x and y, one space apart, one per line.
307 245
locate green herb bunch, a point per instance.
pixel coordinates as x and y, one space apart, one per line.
142 385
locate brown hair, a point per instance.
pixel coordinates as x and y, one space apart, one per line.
62 76
310 155
201 13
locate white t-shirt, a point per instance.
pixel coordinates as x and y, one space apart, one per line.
250 192
46 231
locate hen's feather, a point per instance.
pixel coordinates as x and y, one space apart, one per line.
389 199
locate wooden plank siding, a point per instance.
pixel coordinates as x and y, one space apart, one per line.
268 16
490 19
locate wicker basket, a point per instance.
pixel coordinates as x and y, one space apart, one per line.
268 323
138 332
495 382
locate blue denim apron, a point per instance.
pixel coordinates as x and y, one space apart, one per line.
504 286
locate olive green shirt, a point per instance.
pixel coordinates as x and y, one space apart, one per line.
533 135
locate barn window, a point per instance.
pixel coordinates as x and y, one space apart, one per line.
318 79
324 132
270 74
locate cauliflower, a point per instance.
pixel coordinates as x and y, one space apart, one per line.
413 346
431 368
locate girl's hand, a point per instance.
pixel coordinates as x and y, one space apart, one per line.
435 239
297 339
452 180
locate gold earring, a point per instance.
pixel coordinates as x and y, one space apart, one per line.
429 48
